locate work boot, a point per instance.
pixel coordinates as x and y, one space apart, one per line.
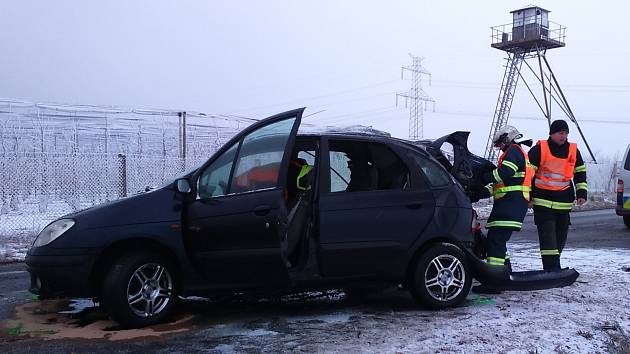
485 289
551 263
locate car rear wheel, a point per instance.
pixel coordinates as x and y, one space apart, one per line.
626 220
441 277
139 290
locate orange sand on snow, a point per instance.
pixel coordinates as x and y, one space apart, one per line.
41 319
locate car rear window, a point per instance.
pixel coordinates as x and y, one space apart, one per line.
626 165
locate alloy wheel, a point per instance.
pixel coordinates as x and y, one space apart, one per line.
149 290
445 277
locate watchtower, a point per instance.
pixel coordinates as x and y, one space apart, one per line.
529 36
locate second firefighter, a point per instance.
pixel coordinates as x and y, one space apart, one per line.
511 186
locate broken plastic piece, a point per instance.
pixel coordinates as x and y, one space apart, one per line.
500 278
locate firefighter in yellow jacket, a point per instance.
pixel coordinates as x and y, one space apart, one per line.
560 177
511 186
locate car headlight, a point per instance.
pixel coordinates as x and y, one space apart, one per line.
52 231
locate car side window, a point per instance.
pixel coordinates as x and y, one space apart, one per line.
435 173
260 156
339 171
213 181
361 166
308 156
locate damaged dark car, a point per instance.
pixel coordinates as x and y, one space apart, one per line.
273 212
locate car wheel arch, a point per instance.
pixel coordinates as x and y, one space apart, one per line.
119 248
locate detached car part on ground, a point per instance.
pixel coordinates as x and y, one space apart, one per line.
375 211
468 168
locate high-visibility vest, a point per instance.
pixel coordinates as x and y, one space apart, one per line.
555 174
500 189
302 178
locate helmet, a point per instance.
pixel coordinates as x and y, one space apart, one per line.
505 135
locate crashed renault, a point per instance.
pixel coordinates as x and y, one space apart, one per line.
274 212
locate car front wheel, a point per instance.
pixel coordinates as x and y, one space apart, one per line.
139 290
626 220
441 277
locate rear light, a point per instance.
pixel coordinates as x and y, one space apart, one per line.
619 185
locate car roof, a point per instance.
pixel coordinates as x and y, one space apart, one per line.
421 145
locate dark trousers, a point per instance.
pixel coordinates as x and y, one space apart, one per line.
553 227
510 208
496 240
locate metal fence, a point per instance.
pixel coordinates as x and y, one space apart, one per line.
37 188
56 159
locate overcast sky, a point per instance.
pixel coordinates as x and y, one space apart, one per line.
257 58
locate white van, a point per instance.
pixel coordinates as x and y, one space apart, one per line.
623 188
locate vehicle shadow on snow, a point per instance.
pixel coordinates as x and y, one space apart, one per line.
66 319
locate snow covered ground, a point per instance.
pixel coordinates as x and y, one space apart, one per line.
591 316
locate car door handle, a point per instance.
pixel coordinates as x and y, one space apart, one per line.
262 210
414 205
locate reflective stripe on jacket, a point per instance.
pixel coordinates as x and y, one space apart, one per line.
500 189
555 174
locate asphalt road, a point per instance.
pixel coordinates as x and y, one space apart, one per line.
591 229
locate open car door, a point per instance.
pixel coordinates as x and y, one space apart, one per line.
236 224
468 168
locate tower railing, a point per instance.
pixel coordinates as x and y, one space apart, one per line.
529 30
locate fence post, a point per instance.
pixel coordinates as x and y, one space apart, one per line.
182 156
122 174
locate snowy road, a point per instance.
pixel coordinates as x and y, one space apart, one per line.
590 316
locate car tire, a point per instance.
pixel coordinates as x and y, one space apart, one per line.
139 289
626 220
441 277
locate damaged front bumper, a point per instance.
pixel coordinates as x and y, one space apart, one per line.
500 278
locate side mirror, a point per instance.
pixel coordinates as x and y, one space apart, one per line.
182 185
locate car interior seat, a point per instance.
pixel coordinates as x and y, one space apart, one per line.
372 176
363 176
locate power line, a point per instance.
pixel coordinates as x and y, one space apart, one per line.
301 100
491 83
520 117
367 112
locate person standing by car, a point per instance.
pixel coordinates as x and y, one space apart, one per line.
511 186
557 163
